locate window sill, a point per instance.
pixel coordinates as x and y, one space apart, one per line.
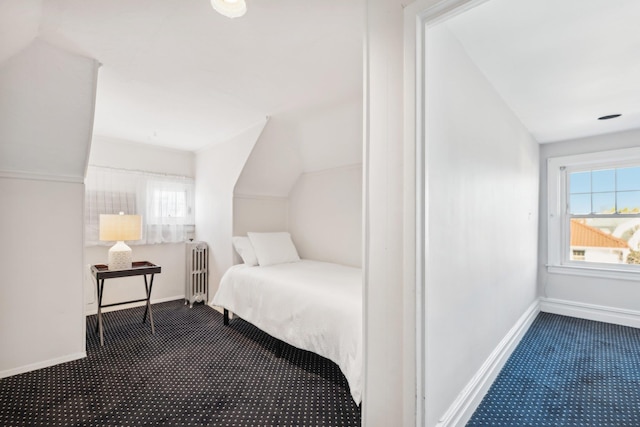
606 273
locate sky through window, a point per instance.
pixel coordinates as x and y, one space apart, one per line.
605 191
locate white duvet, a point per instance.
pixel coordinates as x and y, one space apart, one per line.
312 305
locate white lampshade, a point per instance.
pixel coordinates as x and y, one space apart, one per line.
230 8
120 228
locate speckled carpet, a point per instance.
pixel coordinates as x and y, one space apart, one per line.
193 372
567 372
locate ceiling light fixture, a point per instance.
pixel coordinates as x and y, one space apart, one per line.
230 8
610 116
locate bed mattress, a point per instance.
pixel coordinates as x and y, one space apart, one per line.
312 305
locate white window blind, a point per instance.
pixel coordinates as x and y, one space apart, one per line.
165 202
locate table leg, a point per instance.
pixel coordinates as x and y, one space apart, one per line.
98 301
148 308
100 285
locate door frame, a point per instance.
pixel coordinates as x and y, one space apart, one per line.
418 17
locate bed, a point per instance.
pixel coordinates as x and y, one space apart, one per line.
312 305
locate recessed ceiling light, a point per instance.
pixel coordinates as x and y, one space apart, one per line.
610 116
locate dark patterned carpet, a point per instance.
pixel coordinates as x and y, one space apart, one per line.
193 372
567 372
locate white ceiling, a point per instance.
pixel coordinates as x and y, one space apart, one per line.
176 73
559 64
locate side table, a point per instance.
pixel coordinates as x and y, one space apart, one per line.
138 268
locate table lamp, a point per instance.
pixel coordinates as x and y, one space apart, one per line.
120 228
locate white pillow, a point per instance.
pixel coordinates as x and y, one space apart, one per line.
273 248
245 250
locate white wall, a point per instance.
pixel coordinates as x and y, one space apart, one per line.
382 206
217 171
258 213
167 285
325 215
46 109
123 154
619 294
41 317
482 177
331 137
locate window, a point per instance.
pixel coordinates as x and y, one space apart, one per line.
578 254
169 202
594 213
165 202
604 210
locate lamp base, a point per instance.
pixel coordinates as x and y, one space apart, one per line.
120 256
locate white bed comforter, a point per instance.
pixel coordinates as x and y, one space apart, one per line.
312 305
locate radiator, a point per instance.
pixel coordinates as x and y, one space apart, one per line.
197 283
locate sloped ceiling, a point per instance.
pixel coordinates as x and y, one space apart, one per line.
19 22
305 140
559 64
46 110
178 74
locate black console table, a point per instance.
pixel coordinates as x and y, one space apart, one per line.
138 268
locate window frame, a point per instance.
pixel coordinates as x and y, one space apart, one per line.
558 216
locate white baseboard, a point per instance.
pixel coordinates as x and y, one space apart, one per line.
468 400
599 313
43 364
94 310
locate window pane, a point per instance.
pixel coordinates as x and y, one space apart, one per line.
607 240
628 179
580 182
603 180
181 205
169 204
604 203
629 202
580 204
